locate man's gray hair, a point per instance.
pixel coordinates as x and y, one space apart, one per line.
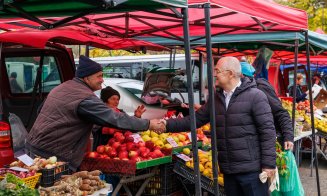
230 63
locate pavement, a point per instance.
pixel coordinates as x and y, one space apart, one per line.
309 183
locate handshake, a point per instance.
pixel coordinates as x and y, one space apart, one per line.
158 126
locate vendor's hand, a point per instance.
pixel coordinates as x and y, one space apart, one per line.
157 126
288 145
139 111
270 172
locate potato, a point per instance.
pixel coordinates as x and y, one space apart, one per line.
95 173
86 181
97 178
85 187
81 174
93 182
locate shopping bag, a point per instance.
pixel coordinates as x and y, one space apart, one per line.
289 179
18 132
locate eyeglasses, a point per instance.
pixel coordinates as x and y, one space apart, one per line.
217 71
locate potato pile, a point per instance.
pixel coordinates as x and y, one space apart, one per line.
79 184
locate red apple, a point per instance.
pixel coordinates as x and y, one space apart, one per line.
129 139
128 133
123 155
107 148
115 145
145 154
149 144
111 141
100 149
136 159
152 155
140 144
158 153
92 154
120 139
132 154
121 148
112 153
118 134
130 146
156 148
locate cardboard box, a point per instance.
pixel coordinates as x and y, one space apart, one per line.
321 99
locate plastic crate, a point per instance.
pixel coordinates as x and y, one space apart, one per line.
50 176
206 183
163 183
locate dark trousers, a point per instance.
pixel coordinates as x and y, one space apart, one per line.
247 184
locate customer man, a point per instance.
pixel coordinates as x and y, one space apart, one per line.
245 130
282 119
65 121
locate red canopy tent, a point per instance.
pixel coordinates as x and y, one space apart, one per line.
242 16
74 36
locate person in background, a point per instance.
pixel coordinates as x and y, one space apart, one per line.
64 124
14 86
300 95
282 119
111 98
246 134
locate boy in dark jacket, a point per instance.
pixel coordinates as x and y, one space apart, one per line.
282 119
245 130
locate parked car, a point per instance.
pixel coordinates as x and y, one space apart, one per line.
58 67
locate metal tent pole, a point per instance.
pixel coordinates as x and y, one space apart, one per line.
296 51
211 99
200 77
311 111
187 47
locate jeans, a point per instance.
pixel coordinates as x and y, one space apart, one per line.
245 184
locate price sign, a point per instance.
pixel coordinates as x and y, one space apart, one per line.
189 136
26 159
172 142
19 169
184 157
137 138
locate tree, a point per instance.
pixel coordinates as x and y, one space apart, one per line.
316 10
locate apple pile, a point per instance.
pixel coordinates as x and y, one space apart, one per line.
182 138
123 147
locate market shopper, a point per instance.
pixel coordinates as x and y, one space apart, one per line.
111 98
282 119
245 130
64 124
300 95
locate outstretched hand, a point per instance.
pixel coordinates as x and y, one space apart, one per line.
139 111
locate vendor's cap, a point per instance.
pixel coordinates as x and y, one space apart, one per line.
87 67
108 92
247 69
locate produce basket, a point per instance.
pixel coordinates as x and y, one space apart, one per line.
29 181
206 183
32 180
116 166
50 176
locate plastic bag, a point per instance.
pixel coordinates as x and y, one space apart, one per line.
18 133
290 185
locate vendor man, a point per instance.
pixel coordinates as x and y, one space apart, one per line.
64 124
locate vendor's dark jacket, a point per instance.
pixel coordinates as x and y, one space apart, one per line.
64 124
300 95
282 119
245 131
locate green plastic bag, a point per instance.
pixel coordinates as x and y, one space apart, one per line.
289 185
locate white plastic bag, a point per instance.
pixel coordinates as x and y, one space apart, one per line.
18 132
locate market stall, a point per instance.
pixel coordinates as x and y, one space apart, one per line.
254 20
